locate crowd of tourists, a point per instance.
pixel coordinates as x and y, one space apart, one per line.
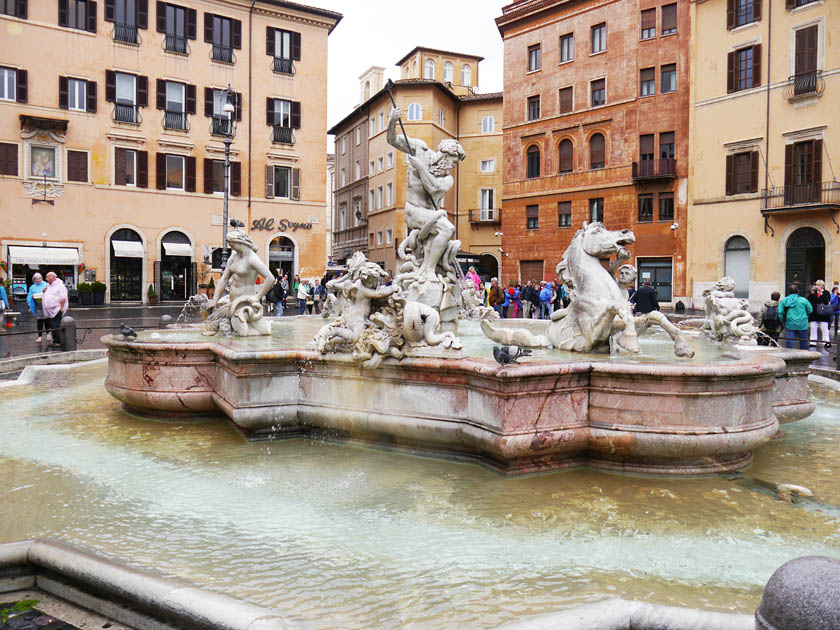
800 321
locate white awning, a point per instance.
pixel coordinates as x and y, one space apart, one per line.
178 249
128 249
43 255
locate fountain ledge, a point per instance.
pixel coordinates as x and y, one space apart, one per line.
674 419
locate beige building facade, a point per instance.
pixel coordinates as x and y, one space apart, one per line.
111 139
764 196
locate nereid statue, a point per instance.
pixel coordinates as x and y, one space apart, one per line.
728 317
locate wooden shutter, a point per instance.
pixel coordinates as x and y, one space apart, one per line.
295 184
806 50
566 104
669 18
269 112
63 92
597 146
161 94
143 14
91 17
110 86
142 169
295 46
22 91
567 158
190 162
817 157
160 169
77 166
208 176
236 30
788 165
110 10
190 99
731 78
208 102
8 159
790 4
269 41
91 96
532 212
119 167
649 19
730 174
295 114
21 9
756 60
208 27
269 182
730 14
161 17
756 10
238 105
753 171
646 144
191 24
63 13
142 91
235 179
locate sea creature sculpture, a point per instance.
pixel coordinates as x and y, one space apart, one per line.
728 317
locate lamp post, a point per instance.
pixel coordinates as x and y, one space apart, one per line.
228 110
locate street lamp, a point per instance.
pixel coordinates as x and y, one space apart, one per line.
228 110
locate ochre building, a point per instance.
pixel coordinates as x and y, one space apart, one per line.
112 129
596 113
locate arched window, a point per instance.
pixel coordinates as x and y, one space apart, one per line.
488 124
127 259
737 264
415 112
430 69
566 157
466 75
533 161
597 151
367 90
448 72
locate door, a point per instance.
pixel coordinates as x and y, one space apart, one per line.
805 259
658 272
531 270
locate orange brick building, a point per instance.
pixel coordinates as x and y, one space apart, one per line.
595 128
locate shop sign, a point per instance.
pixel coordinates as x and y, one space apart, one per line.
281 226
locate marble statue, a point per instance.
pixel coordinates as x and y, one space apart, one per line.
472 304
728 317
240 311
598 306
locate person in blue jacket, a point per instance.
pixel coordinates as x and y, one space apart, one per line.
794 311
36 289
4 299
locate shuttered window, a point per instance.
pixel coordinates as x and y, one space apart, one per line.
532 217
566 157
806 50
131 168
564 214
744 68
666 145
647 82
742 173
566 100
8 159
740 12
78 14
597 151
283 182
649 24
77 166
669 19
16 8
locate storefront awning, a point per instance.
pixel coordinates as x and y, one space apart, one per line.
178 249
128 249
25 255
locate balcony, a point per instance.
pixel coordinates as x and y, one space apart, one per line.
176 44
222 53
126 113
176 120
485 216
126 34
804 85
356 235
647 170
814 196
283 135
220 125
283 66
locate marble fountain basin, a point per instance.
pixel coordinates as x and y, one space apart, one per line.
650 414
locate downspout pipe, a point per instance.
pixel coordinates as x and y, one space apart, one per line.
767 107
250 98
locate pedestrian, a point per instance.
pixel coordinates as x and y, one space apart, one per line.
34 299
527 299
318 294
834 300
769 321
794 311
284 282
512 300
473 276
302 294
495 297
55 305
545 299
4 299
296 284
821 314
278 297
645 299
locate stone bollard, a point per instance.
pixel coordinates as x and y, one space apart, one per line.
803 594
67 334
164 321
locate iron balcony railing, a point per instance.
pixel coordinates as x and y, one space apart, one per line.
176 44
126 33
175 120
805 84
485 215
283 66
812 194
222 53
126 113
653 169
220 125
283 135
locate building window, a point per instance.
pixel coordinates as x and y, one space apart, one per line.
645 208
487 166
466 75
342 178
596 210
357 170
8 159
78 14
805 60
284 116
744 68
389 236
566 157
742 173
371 127
415 112
567 48
77 95
566 100
533 162
429 69
358 136
389 194
793 4
174 116
77 166
128 16
646 154
669 19
342 216
214 102
666 145
534 58
125 104
648 82
284 47
532 217
669 78
343 144
533 107
564 214
441 118
598 89
649 24
216 175
175 172
370 200
379 197
178 25
131 168
666 206
599 38
380 121
379 238
488 124
224 34
390 159
371 167
740 12
357 211
282 182
448 72
487 204
381 163
15 8
8 84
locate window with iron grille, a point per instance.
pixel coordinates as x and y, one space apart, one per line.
127 16
224 34
666 145
285 47
178 24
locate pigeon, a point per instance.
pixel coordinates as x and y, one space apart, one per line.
236 223
126 332
517 351
502 356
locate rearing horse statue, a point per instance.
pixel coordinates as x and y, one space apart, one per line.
584 326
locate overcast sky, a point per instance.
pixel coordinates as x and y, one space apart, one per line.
381 32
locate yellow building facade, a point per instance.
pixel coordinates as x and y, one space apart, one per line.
764 196
111 139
